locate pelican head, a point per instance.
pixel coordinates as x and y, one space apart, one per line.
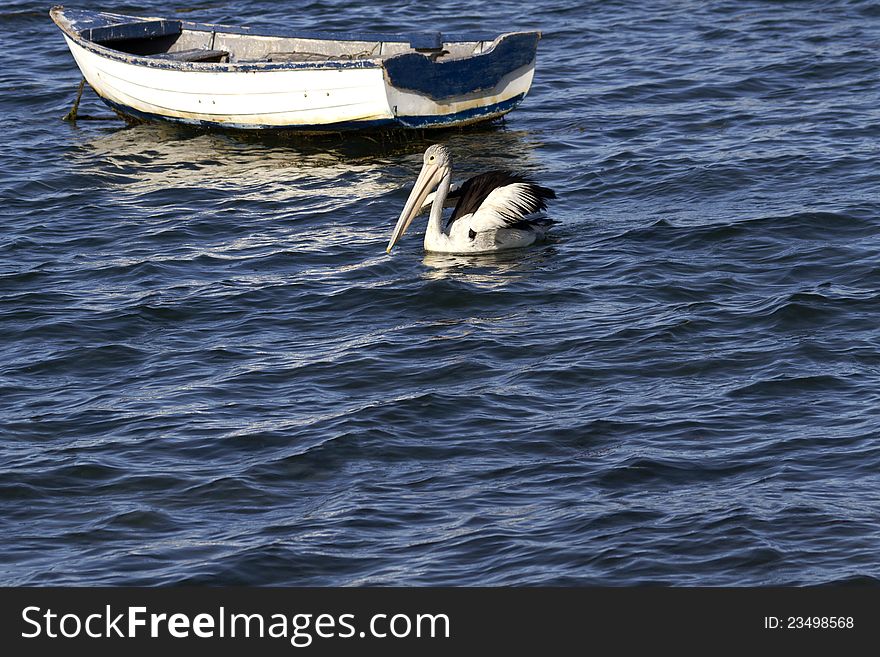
436 165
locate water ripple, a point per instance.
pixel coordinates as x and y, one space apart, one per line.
212 373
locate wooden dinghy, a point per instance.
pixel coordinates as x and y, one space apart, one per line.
240 78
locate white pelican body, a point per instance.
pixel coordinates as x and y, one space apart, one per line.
493 213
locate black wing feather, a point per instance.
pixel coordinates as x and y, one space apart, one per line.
473 193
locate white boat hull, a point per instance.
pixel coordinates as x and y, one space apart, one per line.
245 99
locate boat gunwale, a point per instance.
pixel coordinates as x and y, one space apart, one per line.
64 23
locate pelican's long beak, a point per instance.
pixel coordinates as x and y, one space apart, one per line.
429 177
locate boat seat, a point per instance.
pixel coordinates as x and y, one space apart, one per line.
426 41
133 30
194 55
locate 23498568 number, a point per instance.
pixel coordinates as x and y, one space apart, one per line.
820 622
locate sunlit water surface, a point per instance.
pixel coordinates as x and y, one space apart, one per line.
211 372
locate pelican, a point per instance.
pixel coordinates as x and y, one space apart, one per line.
493 211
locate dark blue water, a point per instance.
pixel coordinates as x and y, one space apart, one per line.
211 372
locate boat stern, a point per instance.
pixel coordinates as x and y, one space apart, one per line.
426 91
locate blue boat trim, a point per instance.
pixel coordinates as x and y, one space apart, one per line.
445 121
462 118
458 77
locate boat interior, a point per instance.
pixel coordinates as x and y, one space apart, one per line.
173 40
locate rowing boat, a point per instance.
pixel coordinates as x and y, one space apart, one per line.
229 77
